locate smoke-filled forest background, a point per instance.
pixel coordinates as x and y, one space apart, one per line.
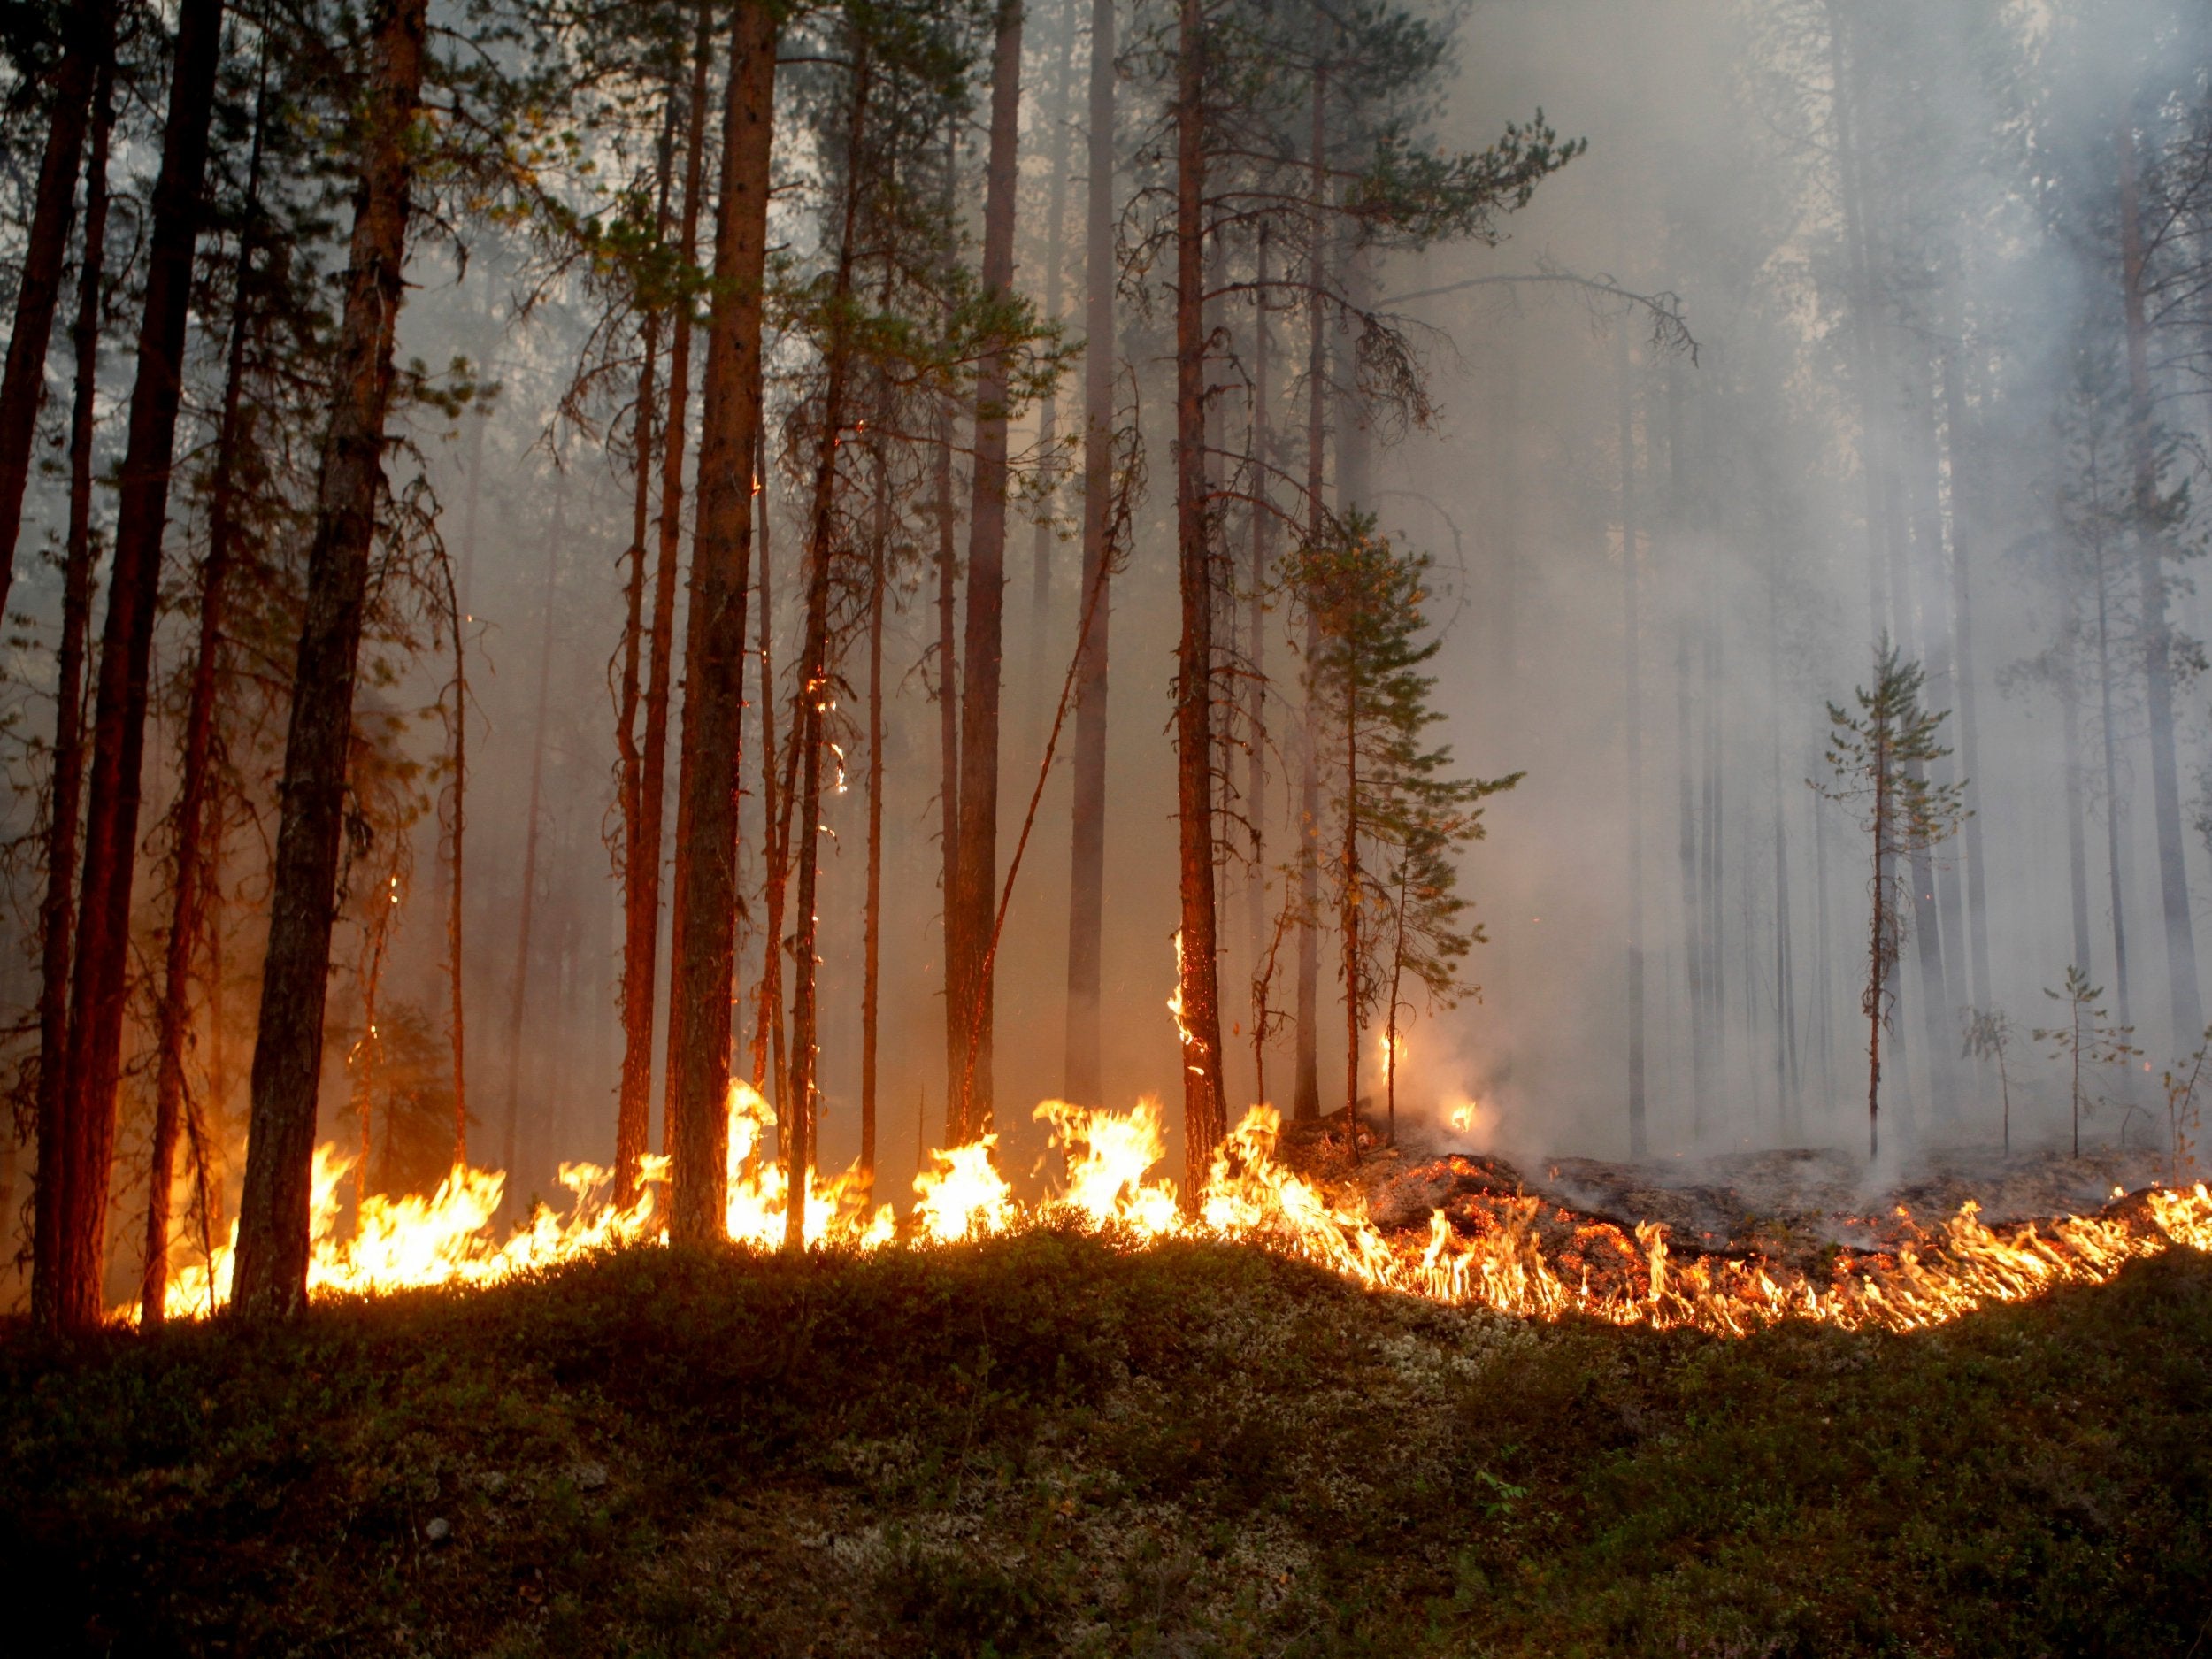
1693 345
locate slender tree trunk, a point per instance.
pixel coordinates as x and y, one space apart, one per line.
872 944
1685 765
632 1129
1048 406
1306 1087
191 830
2077 852
1962 454
705 936
1198 962
949 767
1263 564
1632 742
456 863
818 674
968 976
118 737
65 786
517 1007
88 48
273 1220
2111 745
770 1044
2158 683
645 761
1086 877
1348 906
1878 969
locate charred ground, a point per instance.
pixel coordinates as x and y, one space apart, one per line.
1047 1445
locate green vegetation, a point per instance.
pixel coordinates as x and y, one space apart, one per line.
1044 1446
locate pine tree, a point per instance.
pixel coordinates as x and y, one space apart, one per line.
1876 757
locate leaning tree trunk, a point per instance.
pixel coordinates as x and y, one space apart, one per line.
705 935
191 831
272 1218
65 785
88 49
2158 677
1086 873
1197 988
119 736
968 974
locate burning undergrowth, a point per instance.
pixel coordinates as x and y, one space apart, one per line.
1596 1240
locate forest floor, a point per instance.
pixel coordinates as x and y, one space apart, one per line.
1047 1445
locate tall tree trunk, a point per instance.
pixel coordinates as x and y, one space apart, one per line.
1263 562
1087 875
775 819
118 737
817 675
1633 741
1963 457
2158 682
86 53
1198 977
1685 751
948 762
642 864
1048 407
1306 1077
632 1129
273 1219
871 924
968 974
705 936
456 863
65 787
2111 745
2077 851
191 830
518 1005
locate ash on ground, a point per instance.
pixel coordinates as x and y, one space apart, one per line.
1798 1206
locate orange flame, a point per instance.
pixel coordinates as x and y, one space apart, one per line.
1492 1255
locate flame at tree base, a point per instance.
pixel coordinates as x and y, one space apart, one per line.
1492 1257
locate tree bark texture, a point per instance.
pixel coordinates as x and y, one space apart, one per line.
273 1223
1086 873
704 940
65 785
968 971
1198 962
118 737
86 52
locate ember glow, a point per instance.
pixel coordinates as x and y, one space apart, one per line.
1485 1252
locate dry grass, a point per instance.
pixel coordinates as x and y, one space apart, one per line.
1046 1445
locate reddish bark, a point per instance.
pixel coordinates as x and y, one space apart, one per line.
1086 876
191 832
1198 976
272 1218
705 935
119 735
65 791
88 47
968 977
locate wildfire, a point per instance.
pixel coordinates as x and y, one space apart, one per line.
1502 1251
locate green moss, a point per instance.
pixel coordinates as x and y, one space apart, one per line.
1044 1445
